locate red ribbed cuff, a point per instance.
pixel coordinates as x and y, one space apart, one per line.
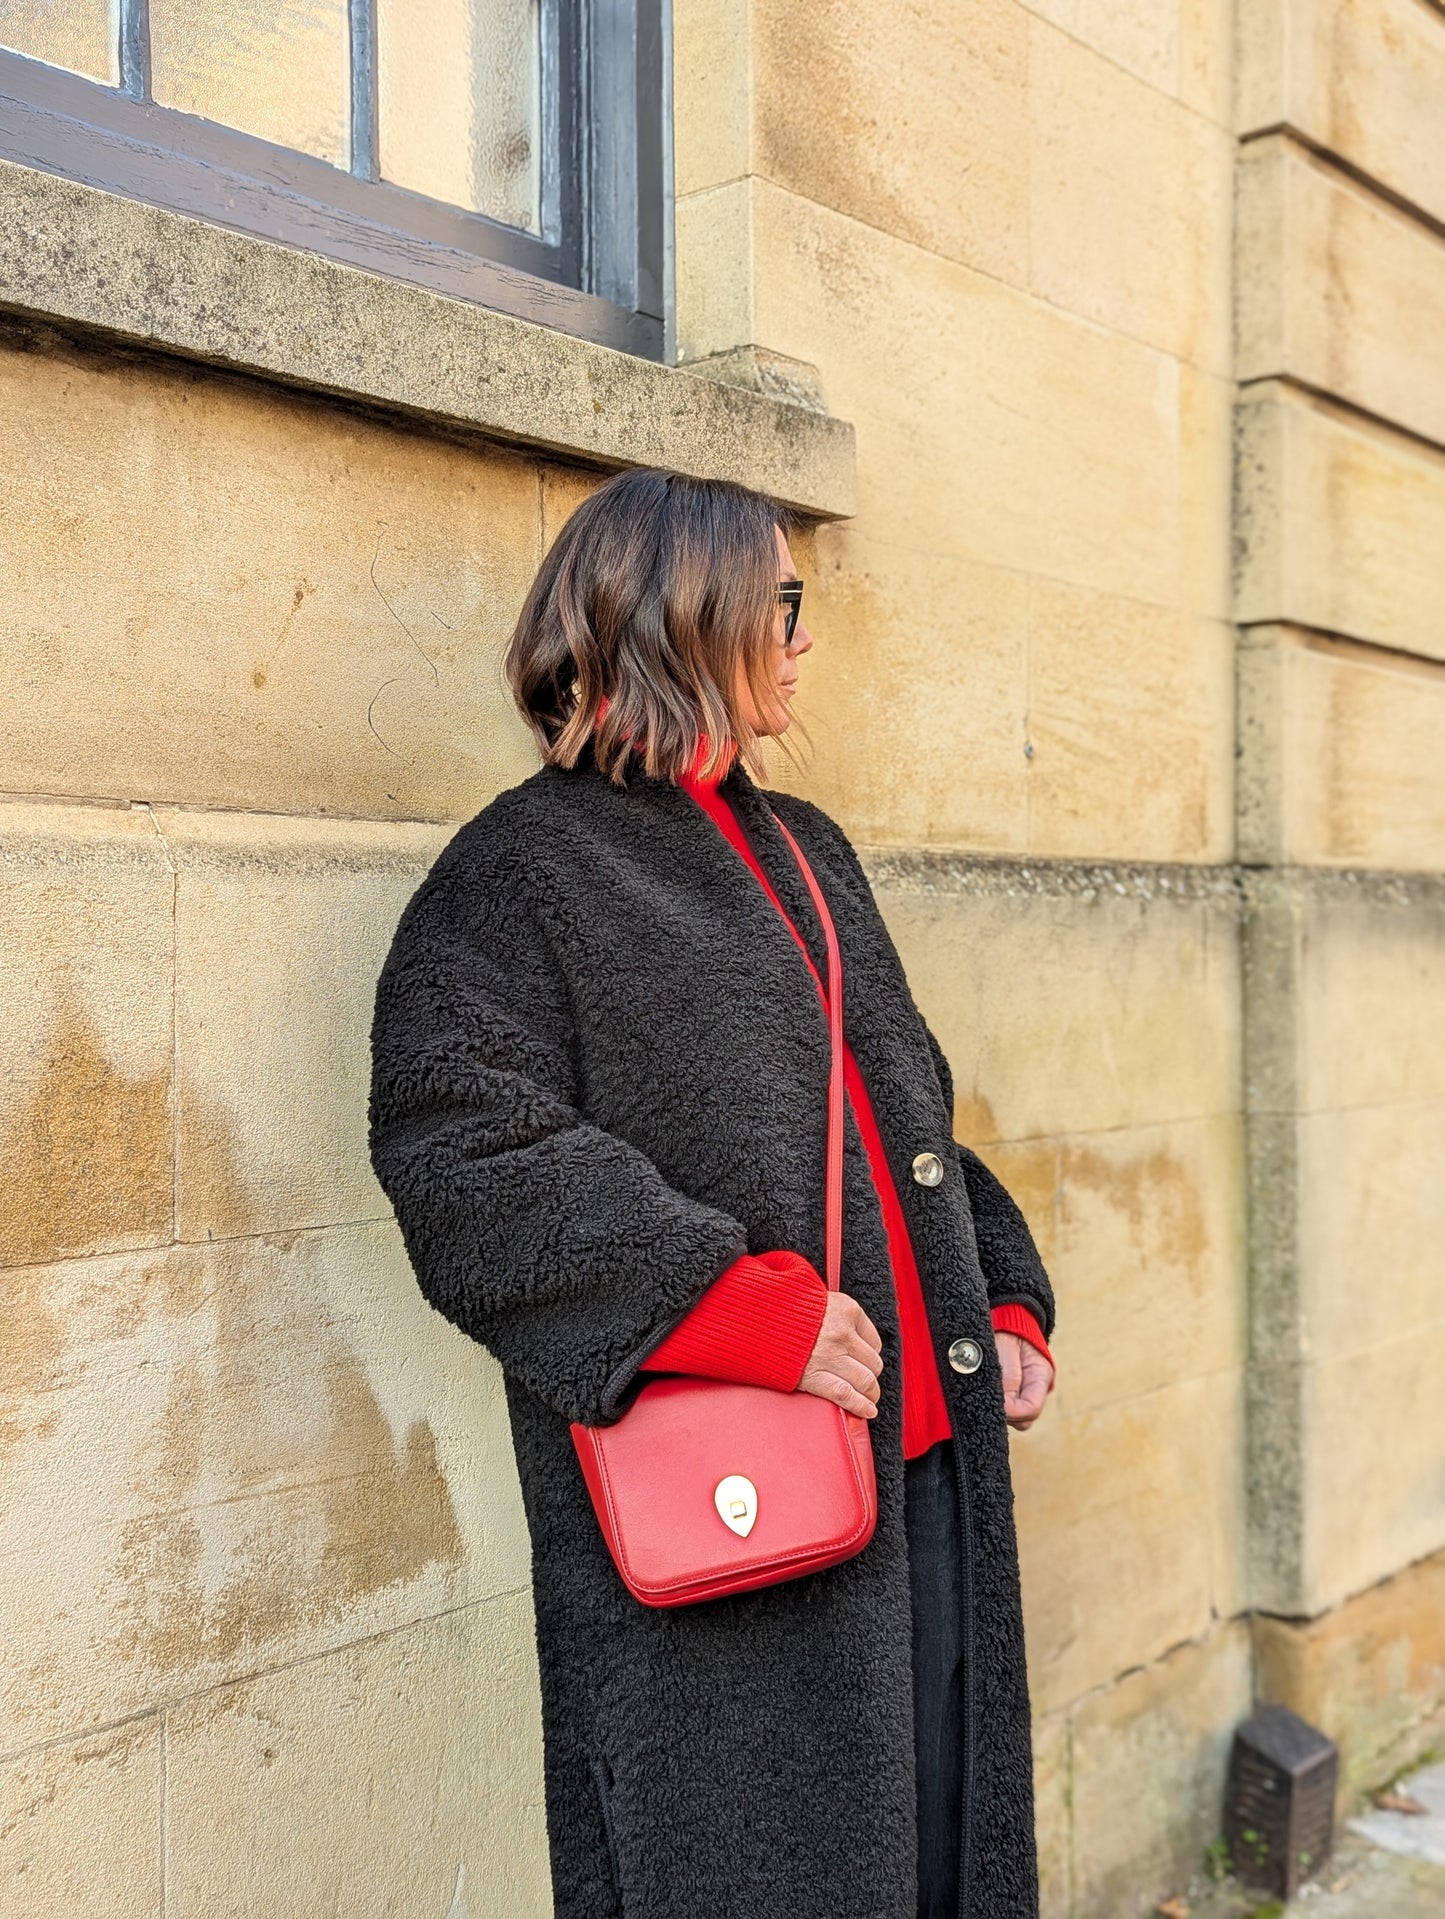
1018 1319
757 1323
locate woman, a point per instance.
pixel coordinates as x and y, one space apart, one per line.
598 1107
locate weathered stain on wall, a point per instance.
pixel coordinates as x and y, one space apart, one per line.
87 1151
278 1510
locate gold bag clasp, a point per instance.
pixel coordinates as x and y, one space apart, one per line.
736 1499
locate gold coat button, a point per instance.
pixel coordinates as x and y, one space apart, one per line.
965 1355
928 1169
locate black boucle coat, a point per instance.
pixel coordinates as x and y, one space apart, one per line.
599 1071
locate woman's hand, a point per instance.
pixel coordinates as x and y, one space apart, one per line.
846 1358
1027 1377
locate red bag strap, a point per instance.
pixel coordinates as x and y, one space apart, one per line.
833 1188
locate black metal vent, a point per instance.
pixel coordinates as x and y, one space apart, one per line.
1279 1806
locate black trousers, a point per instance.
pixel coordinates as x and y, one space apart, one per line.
935 1563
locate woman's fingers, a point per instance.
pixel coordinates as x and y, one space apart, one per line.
1024 1407
866 1330
861 1377
864 1356
831 1382
1026 1377
847 1395
846 1359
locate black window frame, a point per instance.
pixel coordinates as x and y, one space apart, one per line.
598 269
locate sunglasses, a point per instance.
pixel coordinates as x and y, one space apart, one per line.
790 595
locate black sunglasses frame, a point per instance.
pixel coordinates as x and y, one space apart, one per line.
790 595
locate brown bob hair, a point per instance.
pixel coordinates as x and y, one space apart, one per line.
654 593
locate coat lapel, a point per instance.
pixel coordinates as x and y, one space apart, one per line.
775 857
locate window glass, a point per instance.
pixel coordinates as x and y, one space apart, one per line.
280 69
83 35
459 104
506 152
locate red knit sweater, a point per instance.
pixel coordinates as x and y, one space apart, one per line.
758 1322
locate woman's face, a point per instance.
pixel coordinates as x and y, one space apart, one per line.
784 657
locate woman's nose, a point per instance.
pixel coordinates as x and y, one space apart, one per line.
802 639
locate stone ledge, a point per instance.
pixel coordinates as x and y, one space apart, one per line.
68 826
1237 888
166 282
935 870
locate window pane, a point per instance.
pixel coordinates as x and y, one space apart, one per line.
280 69
83 35
459 103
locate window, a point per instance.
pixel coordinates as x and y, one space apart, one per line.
512 152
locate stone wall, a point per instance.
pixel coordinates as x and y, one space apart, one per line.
1340 598
1125 679
1003 238
264 1563
1138 313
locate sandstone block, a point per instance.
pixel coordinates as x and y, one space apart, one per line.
1032 1171
1116 1509
1227 1519
1142 40
1371 1672
1129 716
1075 1013
1179 48
1371 989
1372 1201
711 91
1360 78
404 1775
227 1457
1343 1082
1149 1761
281 930
1130 203
221 594
1206 58
564 488
940 760
1339 754
1273 942
1004 432
1338 525
1374 1423
86 937
917 122
1052 1816
1264 727
715 270
1206 454
1150 1234
80 1827
1338 289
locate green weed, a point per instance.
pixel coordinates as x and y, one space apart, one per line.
1217 1863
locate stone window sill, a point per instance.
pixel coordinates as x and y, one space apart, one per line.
93 262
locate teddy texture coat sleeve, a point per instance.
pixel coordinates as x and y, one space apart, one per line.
556 1244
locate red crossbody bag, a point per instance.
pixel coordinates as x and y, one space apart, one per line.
705 1487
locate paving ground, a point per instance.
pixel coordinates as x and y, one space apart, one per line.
1386 1865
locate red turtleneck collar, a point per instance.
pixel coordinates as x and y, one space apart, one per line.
695 772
